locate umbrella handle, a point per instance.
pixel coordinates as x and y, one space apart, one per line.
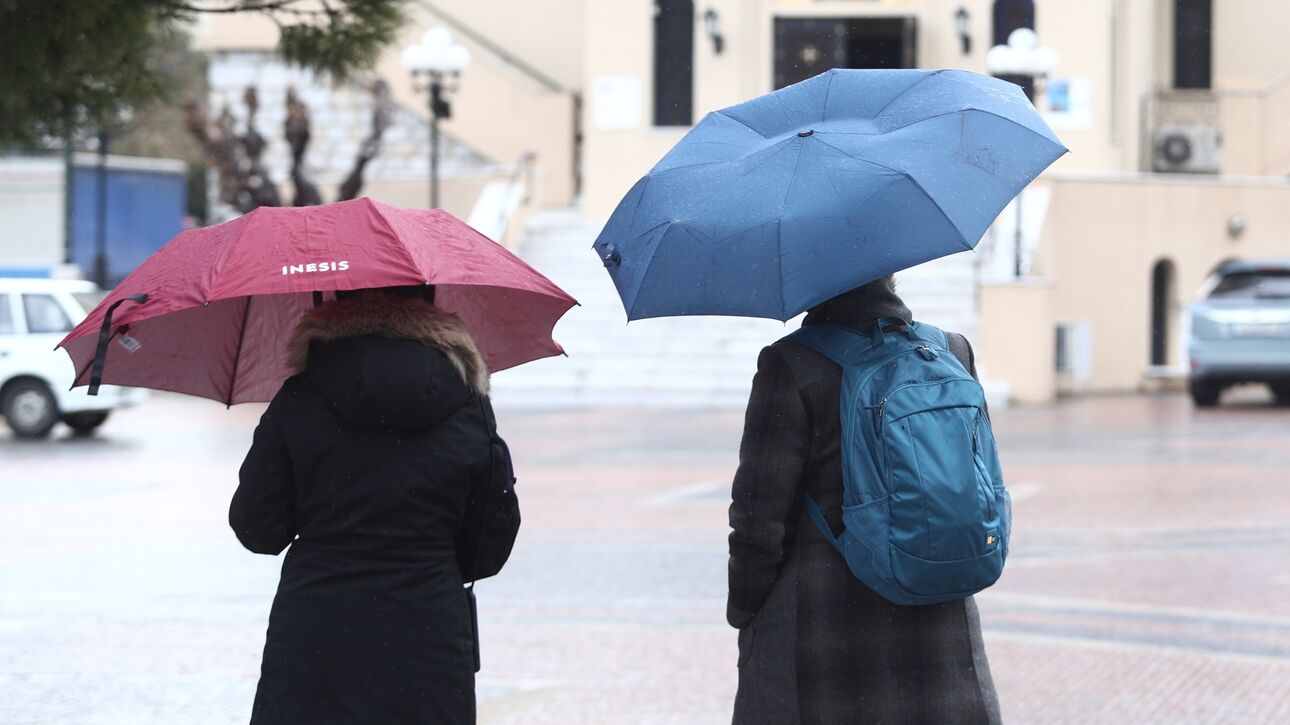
105 336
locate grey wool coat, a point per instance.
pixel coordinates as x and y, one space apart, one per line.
816 646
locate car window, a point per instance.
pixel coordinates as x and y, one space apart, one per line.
6 315
1264 284
89 300
44 314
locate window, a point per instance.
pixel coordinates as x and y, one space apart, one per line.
44 314
1264 284
1193 22
673 62
90 300
6 315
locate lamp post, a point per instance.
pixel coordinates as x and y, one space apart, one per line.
436 63
1022 56
100 224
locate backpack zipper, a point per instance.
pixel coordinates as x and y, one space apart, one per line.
976 455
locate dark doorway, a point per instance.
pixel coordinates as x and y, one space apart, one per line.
1193 41
673 62
1162 302
1007 16
805 47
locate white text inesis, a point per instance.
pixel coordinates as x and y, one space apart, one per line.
340 266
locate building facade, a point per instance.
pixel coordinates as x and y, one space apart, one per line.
1176 112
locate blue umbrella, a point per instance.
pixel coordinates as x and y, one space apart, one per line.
770 207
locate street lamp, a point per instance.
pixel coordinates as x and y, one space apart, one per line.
436 63
1022 56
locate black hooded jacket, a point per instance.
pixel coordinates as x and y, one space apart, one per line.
377 466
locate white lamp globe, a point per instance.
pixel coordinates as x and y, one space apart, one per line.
456 58
1045 60
1000 60
1023 38
437 37
415 58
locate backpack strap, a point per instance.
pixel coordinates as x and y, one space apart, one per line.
835 342
821 523
934 335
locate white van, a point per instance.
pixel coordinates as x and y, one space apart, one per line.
36 379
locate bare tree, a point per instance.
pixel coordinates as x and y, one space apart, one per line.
372 144
244 182
258 184
297 131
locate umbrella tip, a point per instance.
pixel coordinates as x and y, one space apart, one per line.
807 132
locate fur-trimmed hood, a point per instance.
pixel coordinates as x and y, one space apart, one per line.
372 313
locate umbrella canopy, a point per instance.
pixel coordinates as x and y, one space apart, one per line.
770 207
210 312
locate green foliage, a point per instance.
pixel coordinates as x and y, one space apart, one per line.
68 66
71 64
339 41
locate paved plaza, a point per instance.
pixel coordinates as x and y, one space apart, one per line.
1148 582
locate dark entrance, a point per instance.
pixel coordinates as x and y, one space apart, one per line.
1162 295
805 47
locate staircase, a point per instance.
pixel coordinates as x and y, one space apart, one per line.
701 362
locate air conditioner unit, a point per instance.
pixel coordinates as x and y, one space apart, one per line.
1074 350
1188 149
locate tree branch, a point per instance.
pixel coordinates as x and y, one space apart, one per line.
267 6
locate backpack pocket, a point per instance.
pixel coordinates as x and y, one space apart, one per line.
866 542
943 579
942 508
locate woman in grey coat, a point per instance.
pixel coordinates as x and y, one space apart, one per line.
816 646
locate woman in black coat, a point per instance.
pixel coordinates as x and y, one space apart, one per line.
816 646
377 464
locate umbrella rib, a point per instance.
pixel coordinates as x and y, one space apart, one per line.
237 356
723 114
902 94
219 265
399 242
779 228
824 112
933 118
650 263
962 238
782 144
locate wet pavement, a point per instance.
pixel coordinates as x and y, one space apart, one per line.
1148 581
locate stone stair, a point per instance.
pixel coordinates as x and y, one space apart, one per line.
680 361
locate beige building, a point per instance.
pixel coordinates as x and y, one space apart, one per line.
1177 114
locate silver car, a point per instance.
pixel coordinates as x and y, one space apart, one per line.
1240 331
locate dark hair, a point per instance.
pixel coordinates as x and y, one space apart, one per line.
403 292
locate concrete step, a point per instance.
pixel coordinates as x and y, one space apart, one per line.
686 361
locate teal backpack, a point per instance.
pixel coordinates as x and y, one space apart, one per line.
925 515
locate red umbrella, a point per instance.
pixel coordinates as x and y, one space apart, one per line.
210 312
